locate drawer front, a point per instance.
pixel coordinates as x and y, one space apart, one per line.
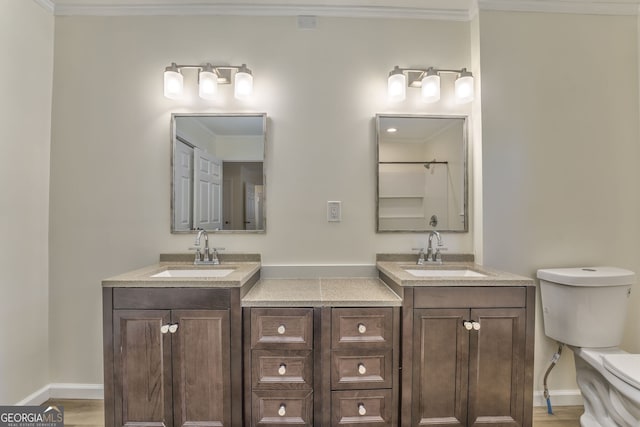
361 328
282 408
370 408
171 298
282 328
361 369
474 297
282 369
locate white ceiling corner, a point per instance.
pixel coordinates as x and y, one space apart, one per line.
47 5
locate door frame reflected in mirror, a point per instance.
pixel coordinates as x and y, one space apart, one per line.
251 165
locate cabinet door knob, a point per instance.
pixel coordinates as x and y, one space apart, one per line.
164 329
282 369
467 325
476 326
282 329
362 328
362 369
361 409
173 328
282 410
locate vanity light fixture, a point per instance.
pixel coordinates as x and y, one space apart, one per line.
428 79
209 77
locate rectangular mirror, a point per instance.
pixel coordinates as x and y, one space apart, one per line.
217 168
422 173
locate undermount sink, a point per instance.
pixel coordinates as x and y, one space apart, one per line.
195 272
443 273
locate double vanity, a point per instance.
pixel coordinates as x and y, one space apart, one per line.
216 345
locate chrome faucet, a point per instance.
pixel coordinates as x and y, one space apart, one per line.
210 256
434 256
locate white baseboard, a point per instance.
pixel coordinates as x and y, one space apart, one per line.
64 391
558 398
36 398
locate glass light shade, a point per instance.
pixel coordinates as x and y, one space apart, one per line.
244 83
208 84
397 86
431 87
464 87
173 82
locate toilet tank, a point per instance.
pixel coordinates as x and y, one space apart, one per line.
585 307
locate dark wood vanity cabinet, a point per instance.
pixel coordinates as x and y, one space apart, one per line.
168 358
321 366
468 356
279 364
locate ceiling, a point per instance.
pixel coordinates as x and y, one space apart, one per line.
442 9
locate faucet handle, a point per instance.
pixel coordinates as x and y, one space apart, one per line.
417 249
217 249
198 254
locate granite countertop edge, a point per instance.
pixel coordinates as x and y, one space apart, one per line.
395 270
321 292
141 278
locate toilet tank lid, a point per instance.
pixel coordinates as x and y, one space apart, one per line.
588 276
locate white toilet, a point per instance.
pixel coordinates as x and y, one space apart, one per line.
586 308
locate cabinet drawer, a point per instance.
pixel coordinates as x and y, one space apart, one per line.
361 328
282 328
171 298
371 408
282 369
464 297
282 408
361 369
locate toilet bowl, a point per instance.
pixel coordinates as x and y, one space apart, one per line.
585 308
610 385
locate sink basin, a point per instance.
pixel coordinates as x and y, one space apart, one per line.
195 272
444 273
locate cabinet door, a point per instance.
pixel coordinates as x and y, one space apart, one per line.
440 358
496 367
142 359
201 368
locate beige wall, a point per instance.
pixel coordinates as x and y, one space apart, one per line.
551 138
26 43
561 151
110 145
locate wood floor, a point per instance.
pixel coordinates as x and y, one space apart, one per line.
90 413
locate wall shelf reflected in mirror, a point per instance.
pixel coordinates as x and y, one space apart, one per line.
421 173
218 175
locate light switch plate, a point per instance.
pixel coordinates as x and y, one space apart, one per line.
334 211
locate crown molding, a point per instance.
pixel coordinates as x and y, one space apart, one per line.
226 9
561 6
47 5
265 10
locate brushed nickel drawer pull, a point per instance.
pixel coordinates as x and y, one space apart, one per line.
362 328
282 369
361 409
164 329
362 369
282 329
282 410
173 328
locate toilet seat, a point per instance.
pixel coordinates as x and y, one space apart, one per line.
624 366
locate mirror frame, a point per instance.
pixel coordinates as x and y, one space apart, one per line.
465 139
264 170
